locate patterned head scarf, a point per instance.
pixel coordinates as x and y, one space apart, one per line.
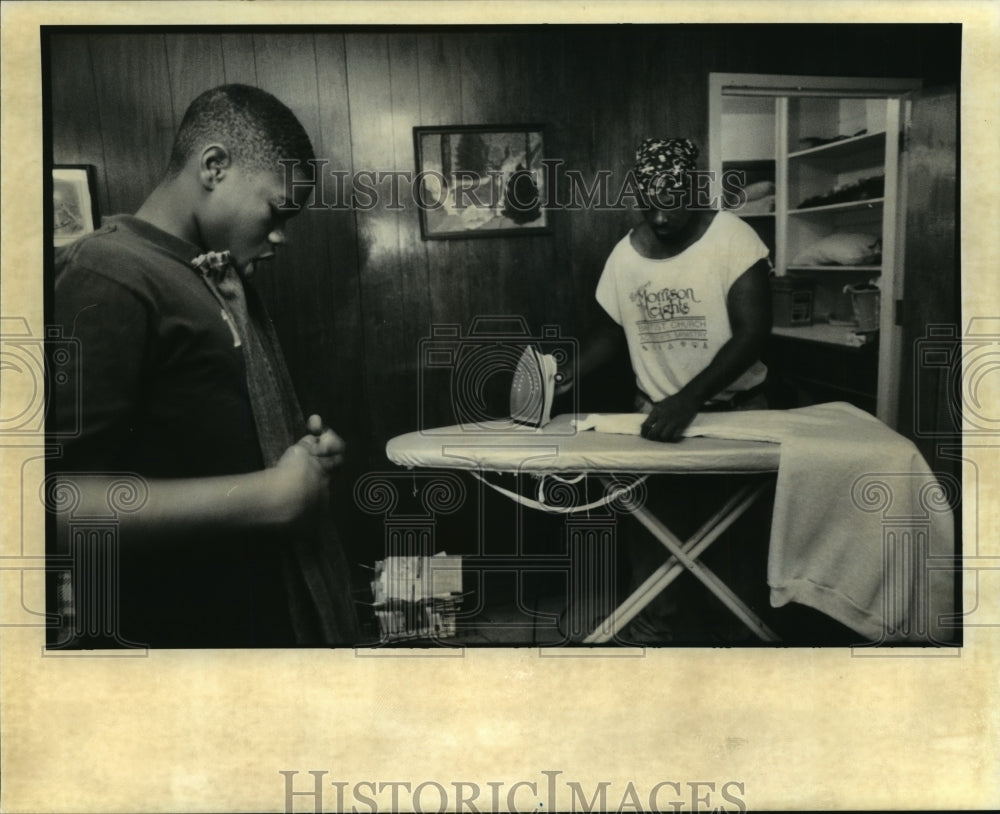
663 163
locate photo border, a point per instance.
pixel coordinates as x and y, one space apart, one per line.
214 730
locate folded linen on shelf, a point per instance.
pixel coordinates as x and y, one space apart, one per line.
758 206
758 190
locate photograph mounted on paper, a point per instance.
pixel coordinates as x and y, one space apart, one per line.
480 181
74 202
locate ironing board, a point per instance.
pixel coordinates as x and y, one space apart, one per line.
559 448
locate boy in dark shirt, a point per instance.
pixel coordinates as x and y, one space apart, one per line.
183 386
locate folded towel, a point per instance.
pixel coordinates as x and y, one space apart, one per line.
614 423
759 206
760 189
737 425
860 529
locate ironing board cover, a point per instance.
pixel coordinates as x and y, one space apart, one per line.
556 447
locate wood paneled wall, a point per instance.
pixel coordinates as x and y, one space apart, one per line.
357 290
930 313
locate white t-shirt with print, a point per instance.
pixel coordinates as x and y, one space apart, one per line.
674 310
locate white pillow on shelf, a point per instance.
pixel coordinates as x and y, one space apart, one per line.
760 189
842 249
758 206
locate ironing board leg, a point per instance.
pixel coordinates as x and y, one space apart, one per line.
684 555
657 581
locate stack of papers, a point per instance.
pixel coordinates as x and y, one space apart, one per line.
417 597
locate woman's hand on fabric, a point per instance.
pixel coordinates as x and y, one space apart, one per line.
670 417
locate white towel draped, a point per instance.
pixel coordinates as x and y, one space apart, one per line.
861 529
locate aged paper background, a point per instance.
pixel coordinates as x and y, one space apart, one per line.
210 731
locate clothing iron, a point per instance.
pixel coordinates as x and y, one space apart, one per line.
533 388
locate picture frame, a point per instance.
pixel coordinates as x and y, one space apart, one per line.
480 181
74 202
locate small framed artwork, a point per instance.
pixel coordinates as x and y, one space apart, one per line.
480 181
74 202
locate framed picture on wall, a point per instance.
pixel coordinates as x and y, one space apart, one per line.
480 181
74 202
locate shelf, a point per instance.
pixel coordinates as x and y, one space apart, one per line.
755 165
838 149
823 333
749 163
847 206
867 269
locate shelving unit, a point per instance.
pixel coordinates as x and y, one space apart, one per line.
834 147
850 206
842 146
867 269
824 332
751 153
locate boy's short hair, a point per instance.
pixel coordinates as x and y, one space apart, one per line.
256 128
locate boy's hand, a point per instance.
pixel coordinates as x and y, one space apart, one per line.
301 484
323 443
302 475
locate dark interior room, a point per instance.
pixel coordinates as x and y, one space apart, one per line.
359 291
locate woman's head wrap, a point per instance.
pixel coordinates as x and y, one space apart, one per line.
663 163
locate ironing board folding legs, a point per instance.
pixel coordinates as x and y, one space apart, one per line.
685 555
